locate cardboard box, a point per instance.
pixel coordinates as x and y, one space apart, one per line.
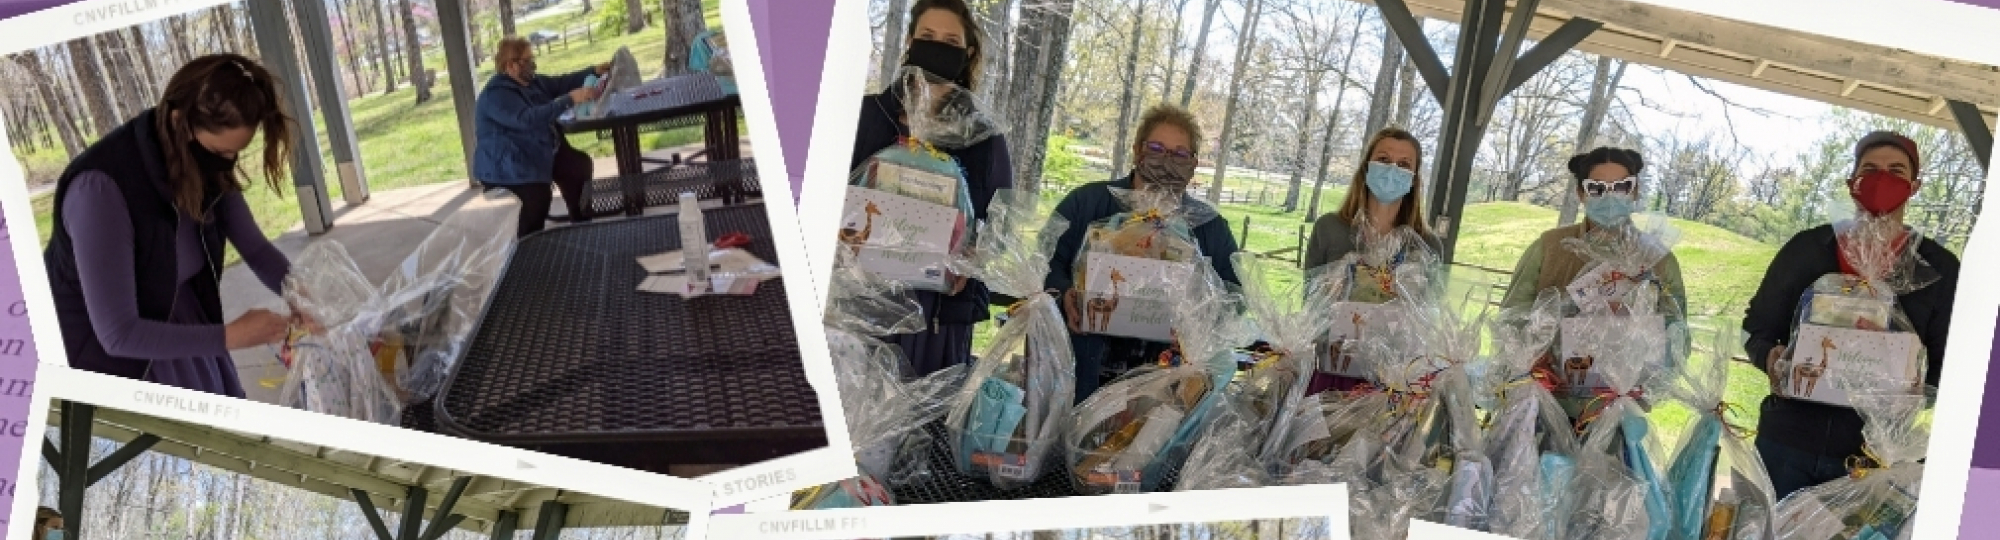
1825 356
1341 352
898 238
1130 296
1584 340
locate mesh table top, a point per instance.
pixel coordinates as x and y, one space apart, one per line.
660 99
665 185
570 351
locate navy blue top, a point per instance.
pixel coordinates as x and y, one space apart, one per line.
515 126
1094 201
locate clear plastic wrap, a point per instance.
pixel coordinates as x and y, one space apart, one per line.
908 211
624 75
1383 266
1849 321
1622 491
1133 263
1136 431
1009 417
378 348
1618 286
1530 440
1289 316
885 415
1717 452
858 492
1218 459
1878 501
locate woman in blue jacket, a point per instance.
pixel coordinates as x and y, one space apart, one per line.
943 41
520 149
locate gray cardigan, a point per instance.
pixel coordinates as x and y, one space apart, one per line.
1333 238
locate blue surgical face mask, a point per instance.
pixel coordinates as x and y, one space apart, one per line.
1388 183
55 535
1609 210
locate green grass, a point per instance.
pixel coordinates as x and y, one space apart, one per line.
406 144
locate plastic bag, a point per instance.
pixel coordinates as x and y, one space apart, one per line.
624 75
1530 440
1132 263
1717 448
857 492
1289 316
1623 492
1852 317
1009 416
1878 501
908 209
1618 286
1131 435
884 413
1384 266
444 286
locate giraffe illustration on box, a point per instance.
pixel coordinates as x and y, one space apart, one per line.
1577 369
854 238
1807 374
1100 308
1347 349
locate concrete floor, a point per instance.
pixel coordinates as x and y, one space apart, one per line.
378 235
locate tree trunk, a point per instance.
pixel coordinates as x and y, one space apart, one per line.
892 43
177 26
1246 41
1406 92
65 127
683 23
1305 140
382 61
1333 125
344 9
413 48
1384 95
1173 51
1038 57
96 97
1125 103
999 49
1200 48
507 18
111 58
140 49
232 32
1602 87
635 16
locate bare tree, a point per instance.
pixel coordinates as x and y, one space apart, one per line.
892 42
382 46
507 18
1200 48
635 16
1246 42
1379 102
413 47
1125 103
683 23
342 9
1333 121
1042 44
1602 86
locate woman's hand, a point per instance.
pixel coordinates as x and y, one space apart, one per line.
1075 317
584 95
257 327
603 68
957 283
1771 368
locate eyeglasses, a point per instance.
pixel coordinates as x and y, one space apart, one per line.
1158 148
1597 188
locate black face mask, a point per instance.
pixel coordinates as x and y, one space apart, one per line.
210 163
943 60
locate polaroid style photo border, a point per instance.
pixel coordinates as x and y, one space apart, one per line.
359 437
1948 28
769 478
1325 500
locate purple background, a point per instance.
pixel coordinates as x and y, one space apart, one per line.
794 49
13 409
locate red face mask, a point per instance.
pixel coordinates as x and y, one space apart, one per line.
1881 192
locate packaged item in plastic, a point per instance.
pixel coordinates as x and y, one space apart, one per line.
1130 435
1363 283
1289 316
908 212
1717 452
858 492
443 286
1619 286
1622 492
1878 500
883 412
1219 459
1530 440
1010 416
1849 321
1133 263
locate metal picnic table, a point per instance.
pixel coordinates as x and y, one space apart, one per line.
707 95
570 358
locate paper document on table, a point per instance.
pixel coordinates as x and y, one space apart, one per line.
734 261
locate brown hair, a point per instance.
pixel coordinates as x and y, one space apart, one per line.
1167 114
1412 211
974 39
214 93
42 517
510 50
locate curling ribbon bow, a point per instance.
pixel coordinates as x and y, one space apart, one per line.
1860 466
921 146
1595 407
1734 429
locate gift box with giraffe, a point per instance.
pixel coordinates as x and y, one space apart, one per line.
1586 342
1828 363
1131 264
900 239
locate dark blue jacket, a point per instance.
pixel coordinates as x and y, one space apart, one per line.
1094 201
516 130
987 169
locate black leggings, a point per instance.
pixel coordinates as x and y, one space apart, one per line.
573 169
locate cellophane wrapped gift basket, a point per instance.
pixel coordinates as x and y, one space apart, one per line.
1530 441
885 413
908 213
1621 490
374 348
1288 316
1620 286
1364 282
1132 434
1878 499
1850 321
1720 488
1009 417
1134 263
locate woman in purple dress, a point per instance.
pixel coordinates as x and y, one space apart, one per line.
141 220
